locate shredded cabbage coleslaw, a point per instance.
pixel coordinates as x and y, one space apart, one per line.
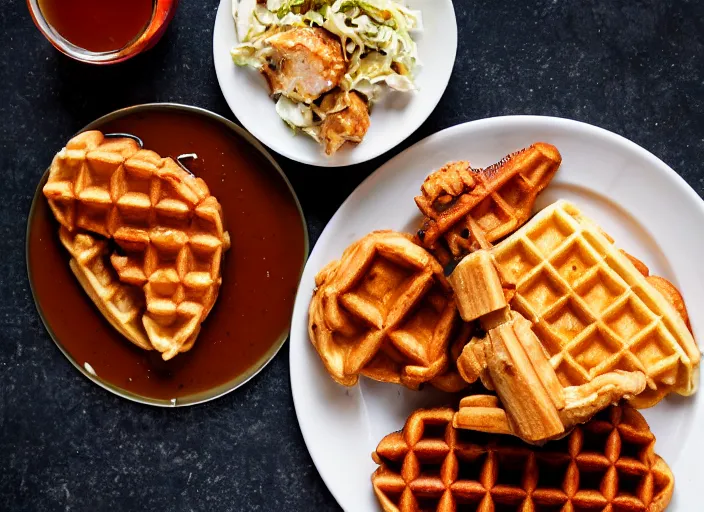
375 37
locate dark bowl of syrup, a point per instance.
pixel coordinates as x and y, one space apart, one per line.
251 318
102 31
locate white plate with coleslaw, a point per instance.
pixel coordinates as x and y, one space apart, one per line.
414 54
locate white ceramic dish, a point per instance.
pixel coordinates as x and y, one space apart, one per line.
393 119
648 209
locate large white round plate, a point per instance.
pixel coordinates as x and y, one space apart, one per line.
393 119
647 208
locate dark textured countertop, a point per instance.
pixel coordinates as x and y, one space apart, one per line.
632 66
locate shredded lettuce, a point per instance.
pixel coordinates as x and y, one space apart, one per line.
315 18
296 115
246 56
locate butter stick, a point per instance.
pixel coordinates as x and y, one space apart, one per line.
520 388
477 286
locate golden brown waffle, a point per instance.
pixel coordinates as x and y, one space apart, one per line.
467 208
511 360
383 310
592 309
451 381
606 464
121 304
167 228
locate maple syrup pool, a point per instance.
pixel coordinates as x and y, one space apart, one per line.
251 318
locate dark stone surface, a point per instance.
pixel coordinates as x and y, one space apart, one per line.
631 66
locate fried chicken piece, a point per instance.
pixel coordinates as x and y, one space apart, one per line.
305 63
347 120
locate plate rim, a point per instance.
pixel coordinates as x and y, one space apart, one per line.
331 162
227 387
483 123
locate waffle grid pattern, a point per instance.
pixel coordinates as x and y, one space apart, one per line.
592 309
167 227
383 310
464 205
607 464
121 304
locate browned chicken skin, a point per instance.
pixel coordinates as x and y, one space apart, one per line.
305 63
348 124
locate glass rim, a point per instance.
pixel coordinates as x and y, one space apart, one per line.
132 48
216 391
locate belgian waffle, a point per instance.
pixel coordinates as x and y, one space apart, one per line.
606 464
451 380
122 305
167 227
384 310
592 309
466 209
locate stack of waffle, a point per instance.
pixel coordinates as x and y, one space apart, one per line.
553 319
592 309
572 325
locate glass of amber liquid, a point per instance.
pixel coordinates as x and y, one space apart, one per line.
102 31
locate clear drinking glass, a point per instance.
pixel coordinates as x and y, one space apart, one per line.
162 13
